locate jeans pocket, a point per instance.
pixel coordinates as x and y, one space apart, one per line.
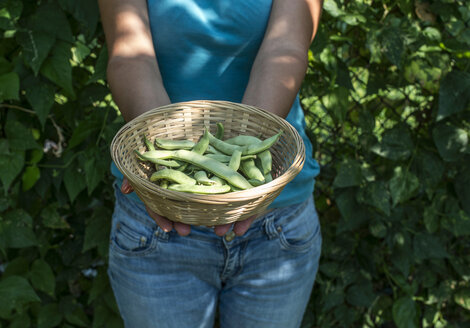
299 231
131 237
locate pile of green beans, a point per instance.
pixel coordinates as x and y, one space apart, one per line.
211 165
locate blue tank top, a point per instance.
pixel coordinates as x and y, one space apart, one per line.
205 50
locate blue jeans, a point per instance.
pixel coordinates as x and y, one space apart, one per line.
261 279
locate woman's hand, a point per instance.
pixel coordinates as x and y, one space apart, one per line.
184 229
167 225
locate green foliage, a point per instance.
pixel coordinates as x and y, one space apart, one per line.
388 109
387 106
56 123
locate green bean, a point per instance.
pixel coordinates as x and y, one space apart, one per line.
208 164
149 144
249 168
226 159
222 146
261 146
201 177
174 144
218 181
220 131
243 140
268 177
266 161
154 154
202 144
212 150
164 184
199 189
264 156
172 175
211 165
234 163
255 182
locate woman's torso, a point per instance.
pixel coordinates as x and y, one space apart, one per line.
205 50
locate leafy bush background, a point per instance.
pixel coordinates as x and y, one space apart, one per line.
387 103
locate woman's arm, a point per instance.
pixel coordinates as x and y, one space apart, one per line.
281 63
133 74
282 60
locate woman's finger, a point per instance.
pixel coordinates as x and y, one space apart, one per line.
182 229
162 222
241 227
126 187
222 229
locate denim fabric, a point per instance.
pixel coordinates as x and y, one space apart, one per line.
261 279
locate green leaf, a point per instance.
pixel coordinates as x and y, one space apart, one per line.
19 136
428 246
427 76
36 46
77 317
42 277
402 185
458 223
74 182
333 299
429 169
58 69
404 313
84 11
97 230
84 129
337 103
41 97
396 143
51 20
10 12
95 171
450 141
349 174
431 219
15 292
392 44
21 321
402 259
30 176
377 228
16 230
453 94
100 284
52 219
462 188
11 164
331 7
100 66
353 215
19 266
9 86
462 298
49 316
360 295
376 194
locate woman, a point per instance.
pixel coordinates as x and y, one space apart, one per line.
258 272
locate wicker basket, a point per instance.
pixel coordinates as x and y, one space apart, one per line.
187 121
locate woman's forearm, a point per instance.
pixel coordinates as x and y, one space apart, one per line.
275 79
133 74
136 85
281 63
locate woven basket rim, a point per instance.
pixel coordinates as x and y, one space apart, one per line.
226 198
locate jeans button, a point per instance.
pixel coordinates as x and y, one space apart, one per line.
229 236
